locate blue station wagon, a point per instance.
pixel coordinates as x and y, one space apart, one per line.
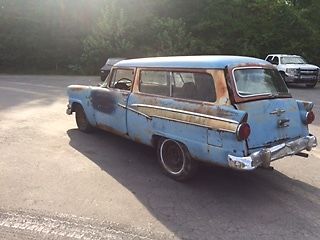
228 110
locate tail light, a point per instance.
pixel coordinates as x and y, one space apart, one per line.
243 131
310 117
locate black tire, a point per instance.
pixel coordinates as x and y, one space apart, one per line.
175 160
82 121
312 85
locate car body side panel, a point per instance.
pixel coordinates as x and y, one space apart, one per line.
110 109
82 95
208 139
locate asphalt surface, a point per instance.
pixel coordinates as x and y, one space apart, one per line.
59 183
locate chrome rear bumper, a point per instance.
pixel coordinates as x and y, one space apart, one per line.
268 155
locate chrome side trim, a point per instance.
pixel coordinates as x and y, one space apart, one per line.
140 113
278 112
186 112
191 123
133 110
121 105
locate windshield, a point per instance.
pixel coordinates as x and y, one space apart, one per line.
259 81
292 60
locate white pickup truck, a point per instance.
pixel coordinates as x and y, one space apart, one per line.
294 69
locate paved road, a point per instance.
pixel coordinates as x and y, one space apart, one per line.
58 183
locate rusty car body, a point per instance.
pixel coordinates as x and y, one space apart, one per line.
228 110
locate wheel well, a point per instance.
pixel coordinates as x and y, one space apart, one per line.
155 139
75 106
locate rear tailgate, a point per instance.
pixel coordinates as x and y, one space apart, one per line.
272 121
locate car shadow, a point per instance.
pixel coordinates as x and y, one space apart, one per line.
218 203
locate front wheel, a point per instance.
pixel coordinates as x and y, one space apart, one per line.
175 160
82 121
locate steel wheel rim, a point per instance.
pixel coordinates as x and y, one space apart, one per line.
172 156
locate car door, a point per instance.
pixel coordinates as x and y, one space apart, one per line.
110 101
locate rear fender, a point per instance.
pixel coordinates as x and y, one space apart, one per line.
304 107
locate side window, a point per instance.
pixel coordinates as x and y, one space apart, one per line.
122 79
269 59
275 61
195 86
155 82
187 85
180 78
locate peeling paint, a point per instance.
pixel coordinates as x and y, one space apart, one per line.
111 130
77 88
209 121
103 101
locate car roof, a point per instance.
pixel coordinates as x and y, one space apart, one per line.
112 61
205 62
284 55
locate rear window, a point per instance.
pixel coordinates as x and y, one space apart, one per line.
259 81
186 85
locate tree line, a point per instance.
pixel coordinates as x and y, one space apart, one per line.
77 36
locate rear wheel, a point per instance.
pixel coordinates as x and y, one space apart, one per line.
175 160
82 121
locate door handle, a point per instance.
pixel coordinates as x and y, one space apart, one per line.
283 122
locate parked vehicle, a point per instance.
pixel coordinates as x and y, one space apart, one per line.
294 69
233 111
105 70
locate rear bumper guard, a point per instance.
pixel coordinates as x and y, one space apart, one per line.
268 155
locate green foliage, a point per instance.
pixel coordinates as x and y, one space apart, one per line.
79 35
111 37
170 37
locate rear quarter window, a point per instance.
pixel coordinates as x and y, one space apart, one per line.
194 86
155 82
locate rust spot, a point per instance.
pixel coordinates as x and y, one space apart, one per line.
77 88
208 110
103 101
220 84
187 118
235 97
137 139
111 130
